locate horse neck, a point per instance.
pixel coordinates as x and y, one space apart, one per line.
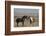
23 18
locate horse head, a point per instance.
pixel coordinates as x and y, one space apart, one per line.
25 17
32 18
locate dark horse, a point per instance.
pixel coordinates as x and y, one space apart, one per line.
21 20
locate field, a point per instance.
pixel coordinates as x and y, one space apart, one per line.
26 23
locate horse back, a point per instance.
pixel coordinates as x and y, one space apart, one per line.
19 20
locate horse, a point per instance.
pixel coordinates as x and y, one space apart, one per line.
32 19
21 20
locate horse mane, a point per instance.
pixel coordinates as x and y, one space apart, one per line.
33 18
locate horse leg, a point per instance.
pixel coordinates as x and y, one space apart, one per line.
17 24
23 23
30 21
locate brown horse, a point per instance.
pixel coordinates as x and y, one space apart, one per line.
21 20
